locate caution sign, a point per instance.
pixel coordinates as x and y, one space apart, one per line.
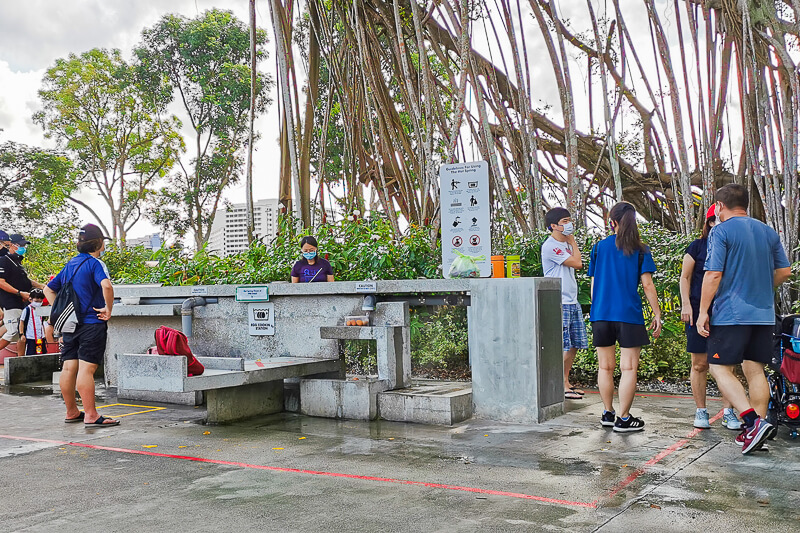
261 318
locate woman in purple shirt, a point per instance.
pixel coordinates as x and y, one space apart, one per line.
311 268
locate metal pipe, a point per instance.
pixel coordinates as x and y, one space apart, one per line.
186 313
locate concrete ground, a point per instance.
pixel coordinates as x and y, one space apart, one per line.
161 469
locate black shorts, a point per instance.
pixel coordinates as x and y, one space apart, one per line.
628 335
695 343
87 343
30 347
730 345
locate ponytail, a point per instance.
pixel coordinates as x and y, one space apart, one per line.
623 215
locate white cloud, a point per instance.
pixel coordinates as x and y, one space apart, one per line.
34 33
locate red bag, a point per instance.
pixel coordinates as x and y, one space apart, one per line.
170 341
790 366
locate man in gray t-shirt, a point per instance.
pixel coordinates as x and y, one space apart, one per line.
745 263
560 257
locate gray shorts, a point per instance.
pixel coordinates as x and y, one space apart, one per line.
11 322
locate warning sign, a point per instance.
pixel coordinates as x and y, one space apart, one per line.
457 241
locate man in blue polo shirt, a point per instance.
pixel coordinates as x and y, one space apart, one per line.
83 349
745 263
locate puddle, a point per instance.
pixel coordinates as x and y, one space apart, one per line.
45 388
31 389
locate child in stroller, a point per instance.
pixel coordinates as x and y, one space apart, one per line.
784 377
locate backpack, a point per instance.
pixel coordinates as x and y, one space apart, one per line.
66 314
170 341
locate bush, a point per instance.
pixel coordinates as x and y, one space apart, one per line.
439 339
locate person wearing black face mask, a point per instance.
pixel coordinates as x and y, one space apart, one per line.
15 287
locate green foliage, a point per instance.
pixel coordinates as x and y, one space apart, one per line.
439 340
97 109
204 62
34 184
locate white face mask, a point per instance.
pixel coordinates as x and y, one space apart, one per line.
36 305
569 228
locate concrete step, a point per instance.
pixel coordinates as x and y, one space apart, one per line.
428 402
354 398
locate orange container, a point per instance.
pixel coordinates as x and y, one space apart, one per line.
498 266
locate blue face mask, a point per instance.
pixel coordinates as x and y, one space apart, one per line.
21 250
309 255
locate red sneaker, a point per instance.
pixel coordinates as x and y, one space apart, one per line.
755 437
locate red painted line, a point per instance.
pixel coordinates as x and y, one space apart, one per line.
669 450
591 505
679 397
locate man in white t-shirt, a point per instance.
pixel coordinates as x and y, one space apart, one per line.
560 257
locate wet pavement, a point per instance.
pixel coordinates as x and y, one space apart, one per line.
162 468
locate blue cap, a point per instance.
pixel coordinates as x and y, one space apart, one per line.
3 235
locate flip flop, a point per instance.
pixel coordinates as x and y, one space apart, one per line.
78 418
101 423
570 395
576 390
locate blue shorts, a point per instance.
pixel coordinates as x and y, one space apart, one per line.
573 327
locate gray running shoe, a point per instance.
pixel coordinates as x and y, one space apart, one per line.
731 421
701 420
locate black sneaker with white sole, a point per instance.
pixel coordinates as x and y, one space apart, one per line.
607 419
631 424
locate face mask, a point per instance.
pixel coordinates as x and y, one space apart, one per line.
102 253
21 250
569 227
36 305
309 255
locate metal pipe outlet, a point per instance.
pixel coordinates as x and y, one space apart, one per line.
186 312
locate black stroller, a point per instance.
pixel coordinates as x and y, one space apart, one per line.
784 378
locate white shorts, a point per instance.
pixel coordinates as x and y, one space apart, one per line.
11 322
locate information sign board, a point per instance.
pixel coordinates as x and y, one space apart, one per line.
466 228
252 294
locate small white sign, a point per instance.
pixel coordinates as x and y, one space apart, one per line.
261 318
252 294
199 291
367 286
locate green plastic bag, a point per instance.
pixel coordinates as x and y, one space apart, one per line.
465 266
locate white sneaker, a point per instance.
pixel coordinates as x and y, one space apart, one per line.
701 420
730 421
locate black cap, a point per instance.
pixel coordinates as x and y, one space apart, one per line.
3 235
91 232
18 239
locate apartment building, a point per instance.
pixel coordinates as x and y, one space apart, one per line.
229 231
151 242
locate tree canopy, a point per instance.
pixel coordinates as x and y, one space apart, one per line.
34 184
116 127
203 63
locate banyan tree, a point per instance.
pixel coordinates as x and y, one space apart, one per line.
654 102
